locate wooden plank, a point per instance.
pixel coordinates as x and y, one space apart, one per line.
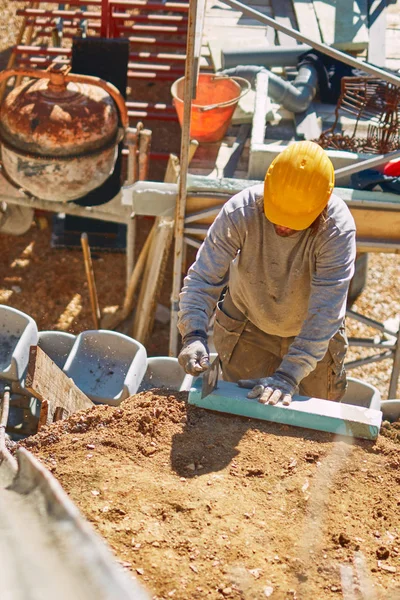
48 383
392 44
307 19
325 12
343 23
152 279
312 413
377 32
308 125
351 25
283 14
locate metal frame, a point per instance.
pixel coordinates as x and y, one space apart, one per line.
389 349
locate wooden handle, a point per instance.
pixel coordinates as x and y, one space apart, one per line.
90 279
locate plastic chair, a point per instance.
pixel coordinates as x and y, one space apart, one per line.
106 365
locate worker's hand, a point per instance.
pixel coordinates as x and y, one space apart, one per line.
270 390
194 356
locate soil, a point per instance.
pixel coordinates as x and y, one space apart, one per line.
204 505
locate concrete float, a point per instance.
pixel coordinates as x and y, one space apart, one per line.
312 413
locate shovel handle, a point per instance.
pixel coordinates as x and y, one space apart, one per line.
90 279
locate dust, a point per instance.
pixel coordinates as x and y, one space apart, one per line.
205 505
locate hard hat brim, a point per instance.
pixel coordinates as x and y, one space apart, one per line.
297 222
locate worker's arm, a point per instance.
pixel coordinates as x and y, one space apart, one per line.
326 308
202 287
208 276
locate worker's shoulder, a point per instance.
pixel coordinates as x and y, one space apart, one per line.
339 215
247 201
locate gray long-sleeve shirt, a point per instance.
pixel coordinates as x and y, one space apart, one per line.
286 286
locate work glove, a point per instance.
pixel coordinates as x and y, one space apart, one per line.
270 390
194 356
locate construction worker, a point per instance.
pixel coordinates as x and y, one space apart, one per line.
281 256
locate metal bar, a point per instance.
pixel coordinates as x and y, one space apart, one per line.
45 32
190 74
368 343
4 452
166 6
49 51
366 164
202 214
151 116
346 58
367 361
149 75
45 62
351 314
197 229
192 242
395 369
149 105
142 5
65 14
181 19
69 15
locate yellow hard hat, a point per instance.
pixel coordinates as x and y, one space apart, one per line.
298 185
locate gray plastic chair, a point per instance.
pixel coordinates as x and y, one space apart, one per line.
57 345
18 332
360 393
165 372
106 365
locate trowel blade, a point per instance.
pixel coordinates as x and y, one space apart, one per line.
210 378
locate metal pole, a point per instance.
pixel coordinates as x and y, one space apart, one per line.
184 159
381 159
395 369
332 52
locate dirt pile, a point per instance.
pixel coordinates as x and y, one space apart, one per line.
204 505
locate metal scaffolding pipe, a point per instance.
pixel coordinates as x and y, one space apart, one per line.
272 56
295 96
332 52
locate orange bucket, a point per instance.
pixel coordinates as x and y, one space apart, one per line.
212 109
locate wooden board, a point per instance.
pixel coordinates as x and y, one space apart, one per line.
307 19
377 32
283 14
57 392
343 23
308 125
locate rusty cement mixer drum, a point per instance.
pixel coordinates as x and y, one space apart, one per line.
59 133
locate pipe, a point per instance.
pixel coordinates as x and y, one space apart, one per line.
324 48
275 56
366 164
295 96
4 452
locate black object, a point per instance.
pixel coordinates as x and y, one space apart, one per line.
330 72
370 179
102 235
107 59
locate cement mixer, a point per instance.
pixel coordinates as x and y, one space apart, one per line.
59 132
